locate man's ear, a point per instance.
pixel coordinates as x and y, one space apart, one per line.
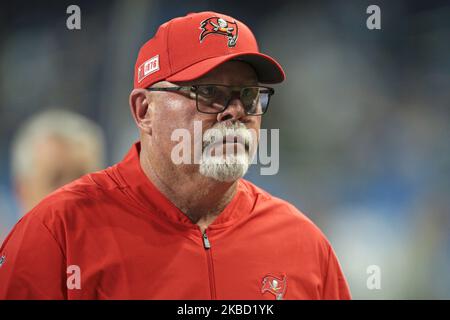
140 109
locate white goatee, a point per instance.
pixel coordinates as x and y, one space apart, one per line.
228 166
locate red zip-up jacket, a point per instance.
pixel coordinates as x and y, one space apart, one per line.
113 235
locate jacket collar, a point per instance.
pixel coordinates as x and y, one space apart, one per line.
148 196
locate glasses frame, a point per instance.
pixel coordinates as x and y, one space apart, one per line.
194 89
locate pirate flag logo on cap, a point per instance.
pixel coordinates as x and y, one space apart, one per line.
216 25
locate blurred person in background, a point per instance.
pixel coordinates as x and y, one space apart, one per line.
51 149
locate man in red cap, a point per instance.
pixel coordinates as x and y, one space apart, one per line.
154 227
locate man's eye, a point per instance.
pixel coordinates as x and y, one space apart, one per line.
207 92
250 93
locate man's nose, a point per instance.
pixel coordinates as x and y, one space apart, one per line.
234 111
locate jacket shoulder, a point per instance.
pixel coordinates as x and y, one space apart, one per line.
74 197
277 210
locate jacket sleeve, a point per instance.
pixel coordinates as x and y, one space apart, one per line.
33 263
336 286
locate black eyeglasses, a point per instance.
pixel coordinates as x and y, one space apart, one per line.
215 98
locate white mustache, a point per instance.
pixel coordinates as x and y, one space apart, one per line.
237 132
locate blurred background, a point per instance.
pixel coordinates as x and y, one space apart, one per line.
364 118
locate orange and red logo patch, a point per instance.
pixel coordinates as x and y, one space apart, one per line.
275 285
216 25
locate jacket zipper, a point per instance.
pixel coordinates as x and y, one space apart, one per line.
207 246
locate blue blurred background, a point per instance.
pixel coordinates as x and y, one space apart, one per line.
364 115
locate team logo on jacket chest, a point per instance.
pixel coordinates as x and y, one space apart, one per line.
219 26
275 285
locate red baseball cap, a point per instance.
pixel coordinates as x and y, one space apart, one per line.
188 47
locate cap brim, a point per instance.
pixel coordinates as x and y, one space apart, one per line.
267 69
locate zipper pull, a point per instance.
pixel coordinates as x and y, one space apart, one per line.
206 243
